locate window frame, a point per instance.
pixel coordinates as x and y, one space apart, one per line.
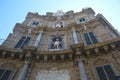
90 38
23 43
5 70
106 74
82 19
35 23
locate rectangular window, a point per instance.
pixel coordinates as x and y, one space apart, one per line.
105 73
22 42
5 74
90 38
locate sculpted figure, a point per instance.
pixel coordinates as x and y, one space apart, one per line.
56 44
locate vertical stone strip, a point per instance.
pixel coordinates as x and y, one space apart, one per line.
38 40
75 38
24 71
82 72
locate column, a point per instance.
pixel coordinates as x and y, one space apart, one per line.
38 39
75 36
24 71
82 72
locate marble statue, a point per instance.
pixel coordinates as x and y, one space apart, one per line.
57 44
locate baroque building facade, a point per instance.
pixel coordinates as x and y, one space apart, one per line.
61 46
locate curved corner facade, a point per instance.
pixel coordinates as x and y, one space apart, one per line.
61 46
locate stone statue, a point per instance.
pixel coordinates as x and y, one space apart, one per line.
58 25
57 44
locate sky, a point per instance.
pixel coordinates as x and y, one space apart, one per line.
15 11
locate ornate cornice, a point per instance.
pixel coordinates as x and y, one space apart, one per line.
72 53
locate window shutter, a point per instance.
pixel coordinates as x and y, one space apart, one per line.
105 73
5 74
26 42
109 72
93 38
101 73
20 42
1 72
87 39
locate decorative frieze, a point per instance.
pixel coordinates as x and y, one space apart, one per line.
45 58
70 56
96 50
54 57
62 57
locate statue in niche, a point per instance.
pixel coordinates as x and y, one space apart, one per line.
57 44
58 23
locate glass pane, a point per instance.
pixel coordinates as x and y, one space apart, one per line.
93 38
1 72
26 42
6 75
87 39
20 42
109 72
101 73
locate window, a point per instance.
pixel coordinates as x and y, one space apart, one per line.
82 19
22 42
105 73
5 74
90 38
35 23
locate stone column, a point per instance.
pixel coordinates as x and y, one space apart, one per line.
38 39
75 36
82 72
24 71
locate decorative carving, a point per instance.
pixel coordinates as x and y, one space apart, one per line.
56 42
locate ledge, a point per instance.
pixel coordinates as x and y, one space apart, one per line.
66 51
102 43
